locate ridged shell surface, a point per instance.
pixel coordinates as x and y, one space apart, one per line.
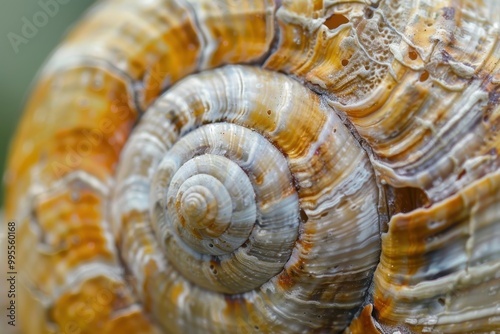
239 166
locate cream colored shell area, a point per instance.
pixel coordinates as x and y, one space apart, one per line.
405 107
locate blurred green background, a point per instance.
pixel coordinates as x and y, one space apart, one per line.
17 70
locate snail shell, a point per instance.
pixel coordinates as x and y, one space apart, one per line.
157 190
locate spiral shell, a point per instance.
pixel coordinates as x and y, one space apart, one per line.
343 177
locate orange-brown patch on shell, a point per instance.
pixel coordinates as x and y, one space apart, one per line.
155 43
257 320
285 280
266 121
77 107
241 31
292 274
83 149
335 21
406 199
133 322
414 238
98 305
384 305
302 54
176 292
409 232
243 313
393 118
364 323
81 237
184 45
297 142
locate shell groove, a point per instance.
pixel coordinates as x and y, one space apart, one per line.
356 190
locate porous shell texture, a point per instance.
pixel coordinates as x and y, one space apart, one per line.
244 166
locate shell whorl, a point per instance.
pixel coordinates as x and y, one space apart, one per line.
289 218
345 178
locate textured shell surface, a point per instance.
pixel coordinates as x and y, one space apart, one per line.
262 166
